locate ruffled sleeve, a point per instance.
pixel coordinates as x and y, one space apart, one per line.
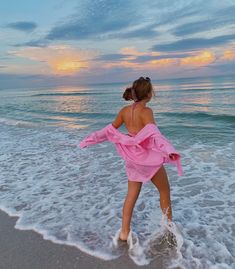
165 146
94 138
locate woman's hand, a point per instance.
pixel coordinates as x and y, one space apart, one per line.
173 156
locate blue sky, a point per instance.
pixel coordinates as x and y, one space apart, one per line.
76 42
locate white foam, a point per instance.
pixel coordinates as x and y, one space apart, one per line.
75 197
19 123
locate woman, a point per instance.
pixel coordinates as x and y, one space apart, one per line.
144 149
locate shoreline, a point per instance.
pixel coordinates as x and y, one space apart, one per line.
27 249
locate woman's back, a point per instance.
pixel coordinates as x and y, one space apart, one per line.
136 116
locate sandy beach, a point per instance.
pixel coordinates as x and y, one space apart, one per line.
27 250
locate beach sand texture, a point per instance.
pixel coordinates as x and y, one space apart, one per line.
28 250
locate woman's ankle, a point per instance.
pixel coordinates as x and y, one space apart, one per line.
125 230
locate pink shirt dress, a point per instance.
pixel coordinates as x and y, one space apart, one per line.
144 153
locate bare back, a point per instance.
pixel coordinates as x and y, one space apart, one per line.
136 116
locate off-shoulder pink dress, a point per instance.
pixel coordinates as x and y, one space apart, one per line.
144 153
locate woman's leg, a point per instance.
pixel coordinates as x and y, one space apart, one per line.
132 195
160 180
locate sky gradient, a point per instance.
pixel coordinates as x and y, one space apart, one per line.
59 42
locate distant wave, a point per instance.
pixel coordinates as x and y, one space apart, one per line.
71 94
193 87
222 89
201 115
84 115
19 123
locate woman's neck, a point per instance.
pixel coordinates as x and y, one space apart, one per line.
142 103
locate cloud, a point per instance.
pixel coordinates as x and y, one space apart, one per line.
193 27
95 18
142 32
135 56
220 18
155 60
132 51
228 55
146 58
163 62
112 57
225 68
171 12
9 81
109 19
194 43
226 13
169 35
201 59
61 59
128 58
33 43
25 26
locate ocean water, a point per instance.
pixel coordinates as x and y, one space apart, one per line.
75 196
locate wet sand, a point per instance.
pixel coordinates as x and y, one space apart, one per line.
27 249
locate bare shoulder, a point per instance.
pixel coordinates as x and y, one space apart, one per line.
147 115
147 110
124 109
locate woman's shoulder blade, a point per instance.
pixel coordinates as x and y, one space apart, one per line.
147 115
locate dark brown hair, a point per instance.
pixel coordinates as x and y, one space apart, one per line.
140 90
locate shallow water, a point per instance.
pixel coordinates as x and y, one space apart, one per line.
75 196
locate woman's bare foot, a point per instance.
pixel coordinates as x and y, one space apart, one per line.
123 235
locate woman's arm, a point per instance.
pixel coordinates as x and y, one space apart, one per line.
119 119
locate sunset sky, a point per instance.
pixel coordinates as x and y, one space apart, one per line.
98 41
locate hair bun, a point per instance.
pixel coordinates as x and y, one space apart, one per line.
141 89
127 94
